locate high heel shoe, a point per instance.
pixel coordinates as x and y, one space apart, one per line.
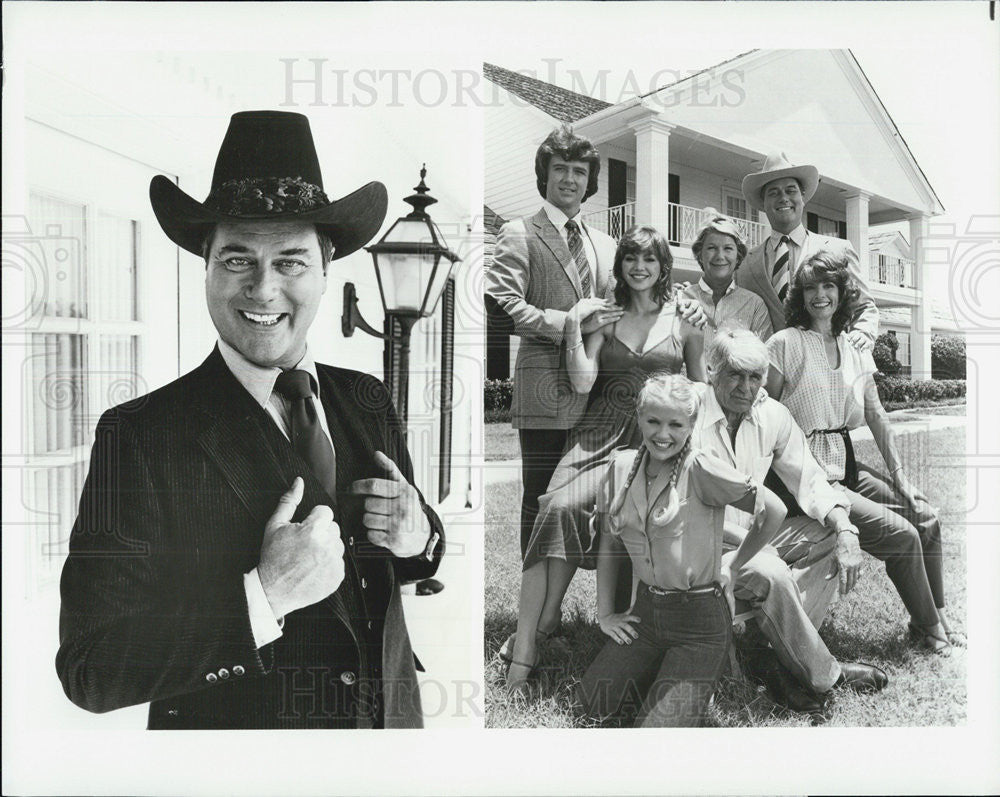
506 651
520 687
939 645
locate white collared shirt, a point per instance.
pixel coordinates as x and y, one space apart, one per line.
767 436
559 219
796 246
259 383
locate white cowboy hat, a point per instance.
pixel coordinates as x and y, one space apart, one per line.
776 166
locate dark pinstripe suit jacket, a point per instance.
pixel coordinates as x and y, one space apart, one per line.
181 484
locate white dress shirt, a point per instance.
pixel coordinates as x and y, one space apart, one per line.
796 246
767 435
559 219
259 383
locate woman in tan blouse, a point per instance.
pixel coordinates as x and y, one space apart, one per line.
664 507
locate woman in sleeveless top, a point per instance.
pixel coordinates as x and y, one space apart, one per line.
610 364
828 387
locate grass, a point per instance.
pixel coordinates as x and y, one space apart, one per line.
868 625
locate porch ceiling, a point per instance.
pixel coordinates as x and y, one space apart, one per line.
734 162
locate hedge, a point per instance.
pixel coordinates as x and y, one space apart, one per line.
884 354
892 390
897 390
497 395
947 357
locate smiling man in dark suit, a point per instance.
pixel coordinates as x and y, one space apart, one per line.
243 530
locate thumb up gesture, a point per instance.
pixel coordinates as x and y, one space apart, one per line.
393 517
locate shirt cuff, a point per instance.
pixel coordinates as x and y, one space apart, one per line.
265 627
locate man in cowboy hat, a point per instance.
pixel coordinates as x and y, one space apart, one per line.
243 529
545 266
782 190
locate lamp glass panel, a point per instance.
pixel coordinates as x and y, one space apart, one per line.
440 279
404 279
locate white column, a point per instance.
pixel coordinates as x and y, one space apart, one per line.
920 319
652 171
857 225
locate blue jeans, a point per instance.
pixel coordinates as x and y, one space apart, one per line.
669 673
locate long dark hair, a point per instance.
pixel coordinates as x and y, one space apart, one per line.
824 266
637 240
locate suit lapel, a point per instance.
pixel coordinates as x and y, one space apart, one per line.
758 271
254 457
550 236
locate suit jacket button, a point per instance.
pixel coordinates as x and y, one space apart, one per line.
350 540
238 670
364 584
348 678
211 677
223 673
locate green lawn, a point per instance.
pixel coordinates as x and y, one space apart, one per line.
869 625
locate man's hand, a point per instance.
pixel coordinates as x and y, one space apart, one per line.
592 314
393 517
848 560
691 311
859 340
300 563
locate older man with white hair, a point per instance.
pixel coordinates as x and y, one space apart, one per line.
791 582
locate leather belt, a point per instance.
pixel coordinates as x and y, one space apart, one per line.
691 591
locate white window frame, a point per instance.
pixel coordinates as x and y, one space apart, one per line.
45 564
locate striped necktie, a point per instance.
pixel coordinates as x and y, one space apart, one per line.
576 249
779 274
307 435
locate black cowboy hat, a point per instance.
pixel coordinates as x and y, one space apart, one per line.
267 171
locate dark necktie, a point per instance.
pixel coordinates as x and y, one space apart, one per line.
576 249
779 274
308 438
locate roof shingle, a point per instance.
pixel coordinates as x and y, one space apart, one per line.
564 105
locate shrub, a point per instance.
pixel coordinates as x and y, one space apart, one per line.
884 354
947 357
497 395
899 391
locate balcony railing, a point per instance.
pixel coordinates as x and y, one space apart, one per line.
614 220
890 270
683 223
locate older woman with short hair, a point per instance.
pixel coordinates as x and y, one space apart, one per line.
719 250
827 385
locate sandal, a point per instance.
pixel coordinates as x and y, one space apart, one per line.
520 687
938 645
506 651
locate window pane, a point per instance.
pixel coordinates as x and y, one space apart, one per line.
59 231
116 374
58 393
115 286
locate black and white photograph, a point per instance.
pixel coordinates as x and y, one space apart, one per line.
555 398
240 326
727 298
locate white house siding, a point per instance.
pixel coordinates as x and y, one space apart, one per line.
512 132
